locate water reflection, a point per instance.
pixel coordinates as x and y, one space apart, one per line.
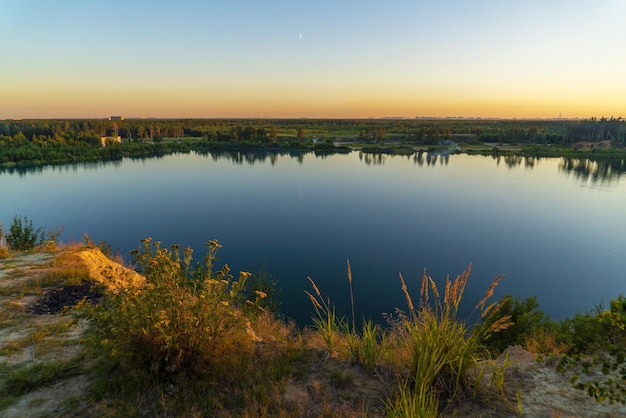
513 161
431 158
594 171
419 158
238 157
582 169
372 159
252 157
24 170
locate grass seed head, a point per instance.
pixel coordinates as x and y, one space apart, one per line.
409 301
317 291
489 292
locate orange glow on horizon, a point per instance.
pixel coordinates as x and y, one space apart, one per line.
286 101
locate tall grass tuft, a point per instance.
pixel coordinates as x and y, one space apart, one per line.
371 345
351 295
441 348
407 405
326 321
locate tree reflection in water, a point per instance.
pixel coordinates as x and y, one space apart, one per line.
583 169
586 170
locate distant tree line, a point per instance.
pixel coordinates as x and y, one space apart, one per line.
593 130
49 141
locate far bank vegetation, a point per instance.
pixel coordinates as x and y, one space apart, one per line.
39 142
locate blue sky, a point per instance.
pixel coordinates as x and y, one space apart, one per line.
353 59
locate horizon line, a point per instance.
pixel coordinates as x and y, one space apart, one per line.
388 118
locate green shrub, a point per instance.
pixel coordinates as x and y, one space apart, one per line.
613 321
600 343
528 322
22 236
582 332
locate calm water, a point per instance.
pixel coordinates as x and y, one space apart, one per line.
556 228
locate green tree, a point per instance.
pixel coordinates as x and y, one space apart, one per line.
22 235
273 132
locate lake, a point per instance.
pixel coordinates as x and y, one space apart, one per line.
556 228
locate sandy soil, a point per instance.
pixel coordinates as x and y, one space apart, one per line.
543 392
20 328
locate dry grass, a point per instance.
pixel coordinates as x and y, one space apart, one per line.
67 268
11 313
545 342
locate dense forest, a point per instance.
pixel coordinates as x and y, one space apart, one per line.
56 141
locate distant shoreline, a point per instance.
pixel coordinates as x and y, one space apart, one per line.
44 142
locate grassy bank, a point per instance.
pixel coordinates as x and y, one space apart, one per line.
194 339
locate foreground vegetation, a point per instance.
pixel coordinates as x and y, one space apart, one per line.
37 142
196 340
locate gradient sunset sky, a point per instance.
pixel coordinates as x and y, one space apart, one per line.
314 58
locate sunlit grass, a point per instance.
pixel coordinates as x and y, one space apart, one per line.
442 347
11 314
67 268
430 349
326 321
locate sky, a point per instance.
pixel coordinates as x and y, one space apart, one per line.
312 58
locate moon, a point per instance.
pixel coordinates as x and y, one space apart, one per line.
300 36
